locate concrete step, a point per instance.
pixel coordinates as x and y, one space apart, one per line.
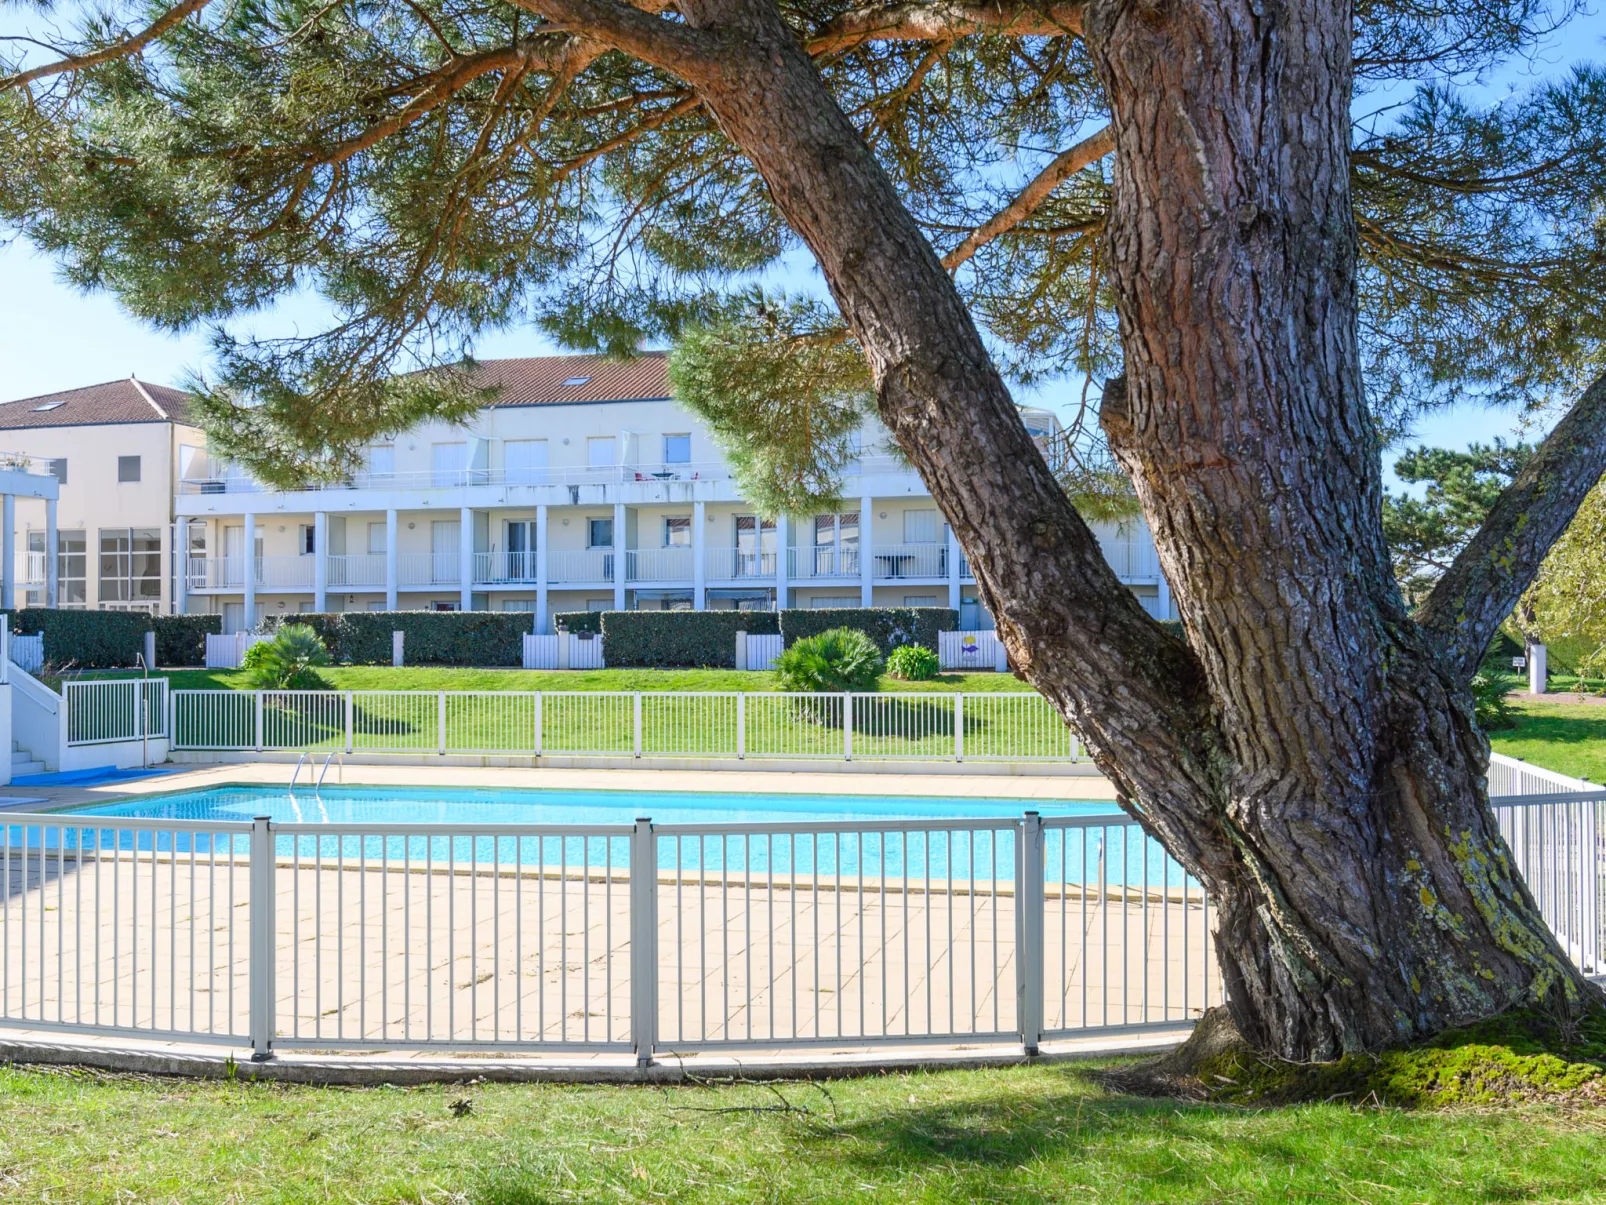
21 768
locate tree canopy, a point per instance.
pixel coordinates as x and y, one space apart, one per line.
439 168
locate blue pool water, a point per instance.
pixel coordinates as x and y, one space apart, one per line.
1116 853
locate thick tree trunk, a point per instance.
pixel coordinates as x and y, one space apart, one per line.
1313 757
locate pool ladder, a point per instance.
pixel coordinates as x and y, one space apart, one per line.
296 773
319 786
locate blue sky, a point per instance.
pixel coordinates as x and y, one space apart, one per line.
53 337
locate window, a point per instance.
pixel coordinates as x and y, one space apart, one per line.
825 602
441 604
919 600
70 566
525 460
600 452
677 449
677 531
523 605
307 539
375 604
304 607
599 604
381 460
128 468
377 539
577 380
48 406
130 565
447 463
58 470
599 533
920 527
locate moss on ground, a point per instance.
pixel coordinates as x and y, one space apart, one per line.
1521 1057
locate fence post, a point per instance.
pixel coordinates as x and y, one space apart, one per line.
539 695
635 707
741 725
847 726
398 649
643 941
262 939
351 725
5 648
959 727
1029 930
150 650
440 719
741 650
258 695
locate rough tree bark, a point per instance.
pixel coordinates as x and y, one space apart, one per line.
1311 755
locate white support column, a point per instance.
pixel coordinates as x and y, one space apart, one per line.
866 552
8 576
783 529
541 596
465 559
249 577
390 561
618 556
954 592
52 570
699 556
320 561
181 533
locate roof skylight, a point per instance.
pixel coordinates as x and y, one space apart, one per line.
49 406
577 380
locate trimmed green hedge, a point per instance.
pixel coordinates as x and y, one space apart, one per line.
679 639
485 638
181 639
85 639
889 627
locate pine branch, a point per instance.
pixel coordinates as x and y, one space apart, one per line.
945 20
1487 578
637 31
120 49
1063 166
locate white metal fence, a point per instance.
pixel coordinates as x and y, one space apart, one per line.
904 726
648 938
122 709
596 937
971 650
227 652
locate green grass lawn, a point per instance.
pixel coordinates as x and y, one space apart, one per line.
1569 738
1044 1134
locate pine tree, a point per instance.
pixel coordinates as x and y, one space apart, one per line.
1173 196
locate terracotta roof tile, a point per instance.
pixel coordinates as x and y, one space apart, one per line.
125 401
542 380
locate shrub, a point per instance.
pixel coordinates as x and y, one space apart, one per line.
839 660
913 663
181 639
289 661
664 639
482 638
1489 692
85 639
888 627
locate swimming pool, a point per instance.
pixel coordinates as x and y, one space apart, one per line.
461 805
819 836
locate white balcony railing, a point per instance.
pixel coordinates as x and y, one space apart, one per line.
270 573
428 569
357 572
580 565
658 565
429 479
895 562
31 569
832 562
494 568
730 564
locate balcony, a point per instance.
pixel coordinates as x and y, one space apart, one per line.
813 564
424 569
462 478
358 572
900 562
505 568
738 564
658 565
580 565
269 573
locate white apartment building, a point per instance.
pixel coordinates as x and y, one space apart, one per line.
584 487
117 452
